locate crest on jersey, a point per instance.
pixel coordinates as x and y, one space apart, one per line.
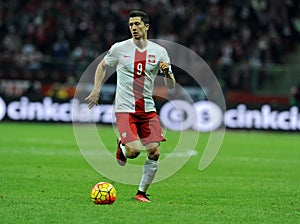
151 58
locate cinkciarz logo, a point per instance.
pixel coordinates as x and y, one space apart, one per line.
101 158
2 109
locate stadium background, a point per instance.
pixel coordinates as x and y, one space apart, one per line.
250 45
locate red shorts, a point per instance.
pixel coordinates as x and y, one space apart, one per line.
143 126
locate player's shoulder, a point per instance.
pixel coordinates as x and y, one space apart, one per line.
123 43
155 45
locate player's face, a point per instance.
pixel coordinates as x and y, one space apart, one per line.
138 28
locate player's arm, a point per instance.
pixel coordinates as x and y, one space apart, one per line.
93 98
169 78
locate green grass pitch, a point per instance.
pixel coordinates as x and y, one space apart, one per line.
255 178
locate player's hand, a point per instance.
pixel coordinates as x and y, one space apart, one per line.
93 99
164 66
169 77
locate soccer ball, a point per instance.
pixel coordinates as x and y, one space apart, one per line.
103 193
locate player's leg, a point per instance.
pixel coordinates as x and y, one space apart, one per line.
149 170
132 149
129 150
151 136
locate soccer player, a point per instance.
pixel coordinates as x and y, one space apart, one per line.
138 61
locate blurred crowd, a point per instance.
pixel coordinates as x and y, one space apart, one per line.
55 40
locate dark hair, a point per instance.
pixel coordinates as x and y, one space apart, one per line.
143 15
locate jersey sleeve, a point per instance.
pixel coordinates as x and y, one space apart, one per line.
165 57
111 58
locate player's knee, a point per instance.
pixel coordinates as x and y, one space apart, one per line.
153 154
132 153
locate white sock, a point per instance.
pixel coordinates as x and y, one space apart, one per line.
150 168
123 150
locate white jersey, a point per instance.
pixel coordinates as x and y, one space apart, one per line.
136 71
